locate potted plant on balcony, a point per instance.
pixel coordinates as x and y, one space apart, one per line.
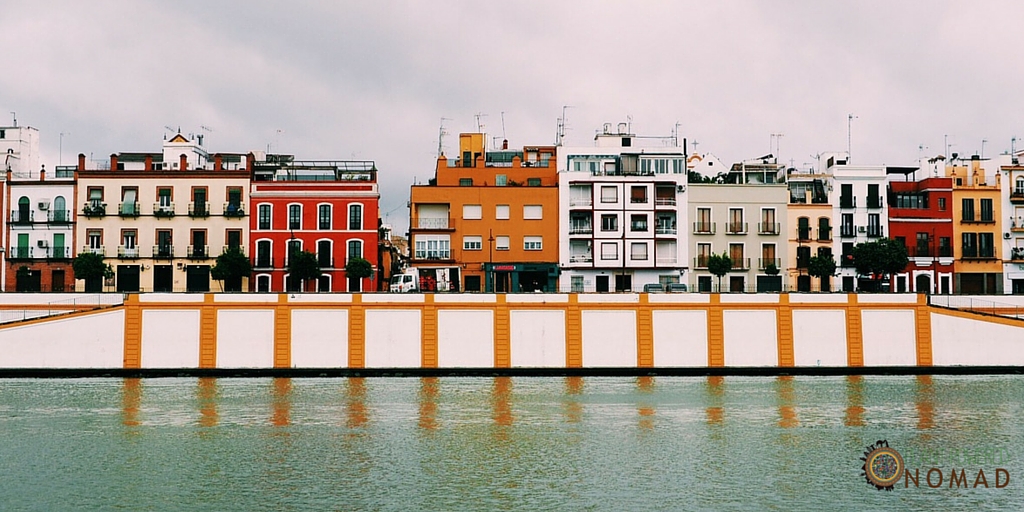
719 266
357 269
303 265
231 266
90 267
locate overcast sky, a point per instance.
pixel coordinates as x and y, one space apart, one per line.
372 80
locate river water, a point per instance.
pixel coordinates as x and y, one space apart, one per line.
530 443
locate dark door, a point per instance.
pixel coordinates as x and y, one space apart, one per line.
163 278
601 283
848 284
28 280
234 238
826 283
623 283
197 278
501 282
944 285
704 284
94 284
923 284
737 284
199 244
803 283
1017 284
127 278
57 281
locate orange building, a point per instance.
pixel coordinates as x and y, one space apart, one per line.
491 213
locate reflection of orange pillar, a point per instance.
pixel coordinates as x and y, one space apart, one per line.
854 401
356 333
501 397
644 333
282 333
645 385
428 332
282 403
208 333
573 409
854 334
716 333
573 333
132 332
207 395
924 403
923 321
356 394
428 403
715 388
502 336
787 413
131 397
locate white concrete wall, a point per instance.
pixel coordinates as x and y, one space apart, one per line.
680 338
609 338
890 337
819 337
64 299
320 338
964 342
90 341
393 339
245 338
465 339
750 338
537 338
170 339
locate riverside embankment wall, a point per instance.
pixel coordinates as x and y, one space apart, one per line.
159 331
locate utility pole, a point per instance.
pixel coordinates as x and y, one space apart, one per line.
849 137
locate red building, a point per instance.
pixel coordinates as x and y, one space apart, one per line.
327 208
921 217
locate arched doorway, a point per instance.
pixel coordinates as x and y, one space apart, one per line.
923 283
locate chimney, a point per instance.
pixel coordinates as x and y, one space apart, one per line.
504 144
42 173
81 162
217 162
248 162
113 162
149 162
184 163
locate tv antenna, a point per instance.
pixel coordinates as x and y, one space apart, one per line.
561 125
503 136
14 118
983 141
849 136
479 125
775 137
441 132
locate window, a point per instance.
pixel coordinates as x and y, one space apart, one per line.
703 220
234 238
95 195
324 216
472 212
500 180
678 167
532 243
703 254
533 212
638 222
294 246
609 194
768 221
501 243
846 199
986 210
501 212
986 249
234 201
465 182
922 245
768 255
355 249
263 216
95 237
942 204
532 182
970 245
874 224
437 247
355 217
129 239
736 255
638 251
736 221
967 212
609 222
824 229
638 195
294 216
129 201
263 283
323 254
803 256
472 243
263 254
609 251
945 246
164 196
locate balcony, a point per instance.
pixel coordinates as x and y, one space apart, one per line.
434 255
94 250
803 234
20 217
703 228
165 210
226 248
847 202
664 201
94 209
59 253
847 231
581 258
768 228
581 228
1017 254
580 202
945 252
199 209
969 218
128 210
197 252
234 209
701 261
874 202
433 223
127 253
876 231
665 229
740 263
20 253
824 234
665 260
1017 196
1016 225
58 216
736 228
264 262
920 251
762 263
972 253
163 251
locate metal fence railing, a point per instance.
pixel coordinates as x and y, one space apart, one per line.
61 307
976 305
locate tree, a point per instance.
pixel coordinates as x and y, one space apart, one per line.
771 269
303 265
90 267
880 258
822 267
357 268
719 266
231 266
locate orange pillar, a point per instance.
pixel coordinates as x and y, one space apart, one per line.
502 335
924 331
208 333
784 333
132 332
716 332
854 336
282 333
357 333
644 333
428 332
573 333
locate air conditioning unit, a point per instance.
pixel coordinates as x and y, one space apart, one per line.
44 205
43 244
861 229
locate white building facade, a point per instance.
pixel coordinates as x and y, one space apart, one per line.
859 211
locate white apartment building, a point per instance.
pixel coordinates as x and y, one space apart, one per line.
623 213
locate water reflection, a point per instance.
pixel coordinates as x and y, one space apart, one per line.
355 396
501 401
645 385
131 398
854 401
924 402
787 411
206 395
573 409
428 403
715 388
281 405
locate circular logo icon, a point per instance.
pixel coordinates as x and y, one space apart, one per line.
883 465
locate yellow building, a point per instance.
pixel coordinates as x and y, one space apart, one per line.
977 227
809 217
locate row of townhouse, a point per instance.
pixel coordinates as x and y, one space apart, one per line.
161 218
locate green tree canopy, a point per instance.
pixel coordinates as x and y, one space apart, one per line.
304 266
231 266
358 268
719 266
880 258
821 266
89 266
771 269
